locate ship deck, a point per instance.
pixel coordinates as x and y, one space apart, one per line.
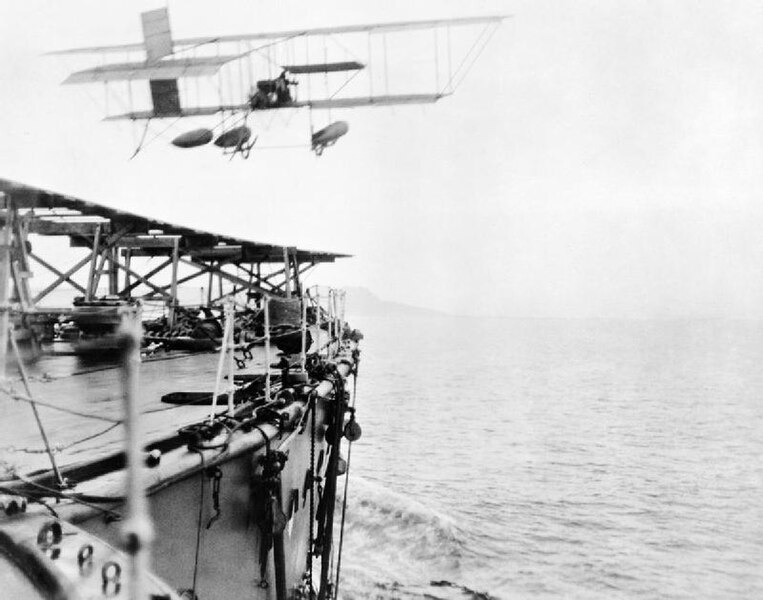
94 391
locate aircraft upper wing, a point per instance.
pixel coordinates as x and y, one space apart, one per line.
275 35
330 103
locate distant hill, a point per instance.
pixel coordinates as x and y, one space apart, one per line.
363 302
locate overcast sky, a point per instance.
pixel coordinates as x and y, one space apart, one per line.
601 158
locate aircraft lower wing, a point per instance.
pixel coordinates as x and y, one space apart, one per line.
331 103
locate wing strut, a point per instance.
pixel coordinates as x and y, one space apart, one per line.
479 44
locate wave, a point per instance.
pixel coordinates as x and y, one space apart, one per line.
397 547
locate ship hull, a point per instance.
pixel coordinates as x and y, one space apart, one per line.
229 547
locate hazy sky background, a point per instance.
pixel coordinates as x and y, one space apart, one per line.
601 159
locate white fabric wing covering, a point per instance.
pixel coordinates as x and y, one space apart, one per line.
164 69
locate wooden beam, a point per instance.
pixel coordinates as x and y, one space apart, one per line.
6 237
224 275
91 283
45 227
295 264
254 279
302 271
129 288
287 271
174 288
214 252
128 262
144 281
62 277
134 241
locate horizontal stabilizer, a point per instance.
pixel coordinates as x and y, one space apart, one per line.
164 69
324 68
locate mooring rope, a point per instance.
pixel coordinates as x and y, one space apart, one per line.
346 486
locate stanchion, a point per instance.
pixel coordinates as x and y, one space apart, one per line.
137 530
267 348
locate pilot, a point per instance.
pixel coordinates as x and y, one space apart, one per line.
258 99
282 89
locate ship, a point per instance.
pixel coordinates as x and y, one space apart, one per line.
243 440
195 448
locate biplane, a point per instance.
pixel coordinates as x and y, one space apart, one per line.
176 68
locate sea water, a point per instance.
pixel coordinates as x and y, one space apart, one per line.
506 458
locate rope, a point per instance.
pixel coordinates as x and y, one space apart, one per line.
310 548
59 447
43 435
198 527
29 498
346 485
13 395
93 436
71 497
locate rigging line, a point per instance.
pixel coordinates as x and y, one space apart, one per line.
326 74
230 82
75 413
436 60
450 83
341 87
61 448
71 497
28 498
450 66
311 536
142 139
307 61
219 78
386 69
161 133
194 46
22 372
196 83
265 46
346 485
343 47
241 71
91 437
198 526
477 55
249 66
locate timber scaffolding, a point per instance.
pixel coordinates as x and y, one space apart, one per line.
113 238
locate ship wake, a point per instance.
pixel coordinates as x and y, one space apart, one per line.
395 547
